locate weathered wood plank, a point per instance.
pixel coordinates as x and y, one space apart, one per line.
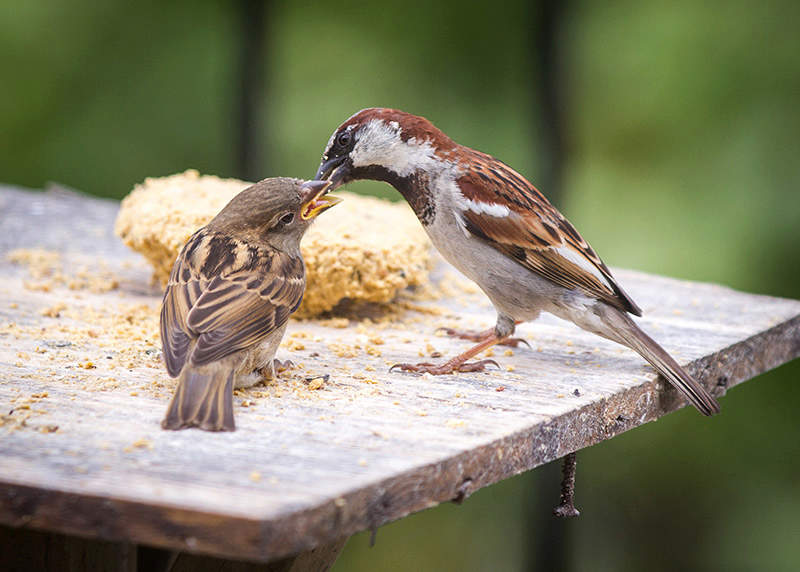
82 451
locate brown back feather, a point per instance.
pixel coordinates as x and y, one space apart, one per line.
534 230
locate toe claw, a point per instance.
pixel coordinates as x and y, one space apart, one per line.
477 366
412 367
282 365
515 342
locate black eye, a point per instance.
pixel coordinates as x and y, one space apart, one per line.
344 138
287 218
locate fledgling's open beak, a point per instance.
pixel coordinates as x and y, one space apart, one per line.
315 201
335 171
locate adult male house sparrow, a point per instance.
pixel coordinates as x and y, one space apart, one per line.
500 231
229 297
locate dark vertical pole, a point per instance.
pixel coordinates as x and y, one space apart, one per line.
548 534
252 61
546 46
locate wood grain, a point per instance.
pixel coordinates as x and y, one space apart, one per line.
82 452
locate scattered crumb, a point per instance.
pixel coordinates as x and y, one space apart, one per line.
430 351
293 345
335 323
53 311
343 350
139 444
255 476
316 383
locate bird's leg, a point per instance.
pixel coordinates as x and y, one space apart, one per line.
456 364
566 507
482 335
501 332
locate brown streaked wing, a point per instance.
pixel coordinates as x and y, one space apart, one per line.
240 309
534 231
176 336
227 312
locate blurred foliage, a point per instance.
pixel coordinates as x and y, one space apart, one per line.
682 138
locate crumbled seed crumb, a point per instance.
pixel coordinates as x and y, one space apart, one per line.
316 383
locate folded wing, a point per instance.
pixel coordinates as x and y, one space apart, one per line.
501 207
237 307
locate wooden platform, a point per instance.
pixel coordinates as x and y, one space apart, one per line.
314 460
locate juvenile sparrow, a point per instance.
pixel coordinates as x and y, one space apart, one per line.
229 296
493 225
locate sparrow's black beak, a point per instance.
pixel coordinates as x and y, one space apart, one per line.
336 171
315 200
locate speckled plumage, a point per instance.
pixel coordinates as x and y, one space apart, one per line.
229 296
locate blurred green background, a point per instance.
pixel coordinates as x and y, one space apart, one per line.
675 148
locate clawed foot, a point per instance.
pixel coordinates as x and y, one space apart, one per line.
445 368
281 366
277 366
481 336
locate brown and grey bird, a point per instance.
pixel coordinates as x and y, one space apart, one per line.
229 296
493 225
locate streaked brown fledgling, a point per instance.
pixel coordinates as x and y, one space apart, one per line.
493 225
229 297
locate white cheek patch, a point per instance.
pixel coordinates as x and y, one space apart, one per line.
379 143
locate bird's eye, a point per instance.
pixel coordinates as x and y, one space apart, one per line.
344 139
287 218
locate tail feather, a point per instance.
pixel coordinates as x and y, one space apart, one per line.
204 399
629 334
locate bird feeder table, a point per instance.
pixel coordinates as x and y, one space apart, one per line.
337 444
